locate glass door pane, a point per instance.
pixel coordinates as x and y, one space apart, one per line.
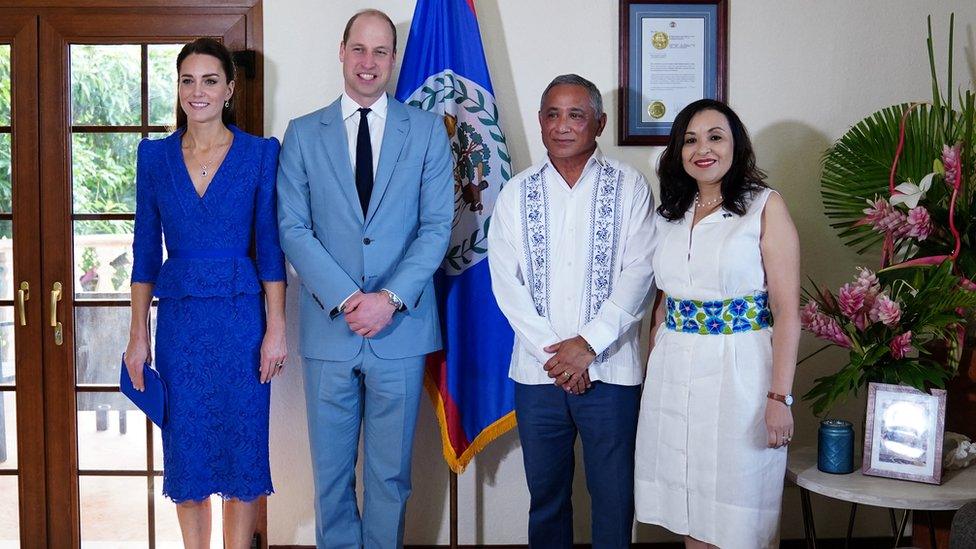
9 491
121 94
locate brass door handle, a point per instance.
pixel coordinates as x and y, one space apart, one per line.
23 295
55 298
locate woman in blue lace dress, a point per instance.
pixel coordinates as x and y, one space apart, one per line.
209 188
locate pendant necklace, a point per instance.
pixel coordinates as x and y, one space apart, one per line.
205 166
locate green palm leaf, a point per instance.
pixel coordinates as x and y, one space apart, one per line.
857 166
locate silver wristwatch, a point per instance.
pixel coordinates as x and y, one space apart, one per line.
394 299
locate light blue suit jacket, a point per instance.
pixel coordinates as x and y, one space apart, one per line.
398 245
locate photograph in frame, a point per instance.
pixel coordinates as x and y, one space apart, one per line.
904 432
671 54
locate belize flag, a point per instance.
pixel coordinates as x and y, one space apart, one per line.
444 71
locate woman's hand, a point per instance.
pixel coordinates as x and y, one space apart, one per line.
779 424
274 351
136 355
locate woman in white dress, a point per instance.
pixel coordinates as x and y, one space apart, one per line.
715 417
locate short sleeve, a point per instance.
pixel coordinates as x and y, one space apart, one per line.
147 242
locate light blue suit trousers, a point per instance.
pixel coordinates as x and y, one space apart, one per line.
381 396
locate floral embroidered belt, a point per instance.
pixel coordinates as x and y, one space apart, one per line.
720 317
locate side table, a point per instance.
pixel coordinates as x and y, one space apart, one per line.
957 489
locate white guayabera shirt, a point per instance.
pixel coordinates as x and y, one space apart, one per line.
569 261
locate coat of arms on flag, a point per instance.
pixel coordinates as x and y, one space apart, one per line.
481 161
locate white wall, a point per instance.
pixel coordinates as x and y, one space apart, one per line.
801 72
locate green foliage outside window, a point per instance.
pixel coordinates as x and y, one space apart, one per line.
105 90
4 138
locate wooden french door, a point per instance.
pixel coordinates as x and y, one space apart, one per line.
88 83
22 458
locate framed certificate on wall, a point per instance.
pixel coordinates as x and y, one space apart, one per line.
671 54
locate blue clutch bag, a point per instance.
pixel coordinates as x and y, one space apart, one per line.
152 401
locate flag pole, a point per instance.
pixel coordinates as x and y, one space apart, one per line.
454 509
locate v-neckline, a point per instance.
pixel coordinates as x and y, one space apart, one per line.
216 172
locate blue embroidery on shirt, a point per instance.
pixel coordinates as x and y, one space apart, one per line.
605 226
535 235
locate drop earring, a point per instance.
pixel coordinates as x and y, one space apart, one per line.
226 104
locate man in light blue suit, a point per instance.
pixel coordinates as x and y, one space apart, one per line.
366 249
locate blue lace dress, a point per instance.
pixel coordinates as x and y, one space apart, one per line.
210 317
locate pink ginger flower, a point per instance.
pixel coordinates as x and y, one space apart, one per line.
901 345
868 280
919 223
886 311
808 313
823 326
851 298
862 321
885 218
952 163
876 212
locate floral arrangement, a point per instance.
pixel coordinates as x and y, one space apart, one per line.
902 180
891 326
913 166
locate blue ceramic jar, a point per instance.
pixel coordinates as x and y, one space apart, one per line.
835 448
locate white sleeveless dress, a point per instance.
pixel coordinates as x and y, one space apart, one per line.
702 464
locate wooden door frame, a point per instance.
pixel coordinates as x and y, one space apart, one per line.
61 23
20 29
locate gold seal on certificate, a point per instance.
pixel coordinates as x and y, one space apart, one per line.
672 66
660 40
656 109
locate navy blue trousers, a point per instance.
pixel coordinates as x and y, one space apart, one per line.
549 419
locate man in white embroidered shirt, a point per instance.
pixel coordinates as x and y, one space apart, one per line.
570 252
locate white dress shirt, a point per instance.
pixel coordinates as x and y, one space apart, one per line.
375 118
569 261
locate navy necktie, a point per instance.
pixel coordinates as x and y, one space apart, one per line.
364 161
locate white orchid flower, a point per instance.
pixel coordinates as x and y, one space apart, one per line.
909 193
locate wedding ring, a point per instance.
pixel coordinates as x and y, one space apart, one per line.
567 375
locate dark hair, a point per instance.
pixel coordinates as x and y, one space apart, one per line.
738 185
371 11
213 48
596 100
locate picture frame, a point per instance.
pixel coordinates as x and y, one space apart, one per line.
670 54
904 430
